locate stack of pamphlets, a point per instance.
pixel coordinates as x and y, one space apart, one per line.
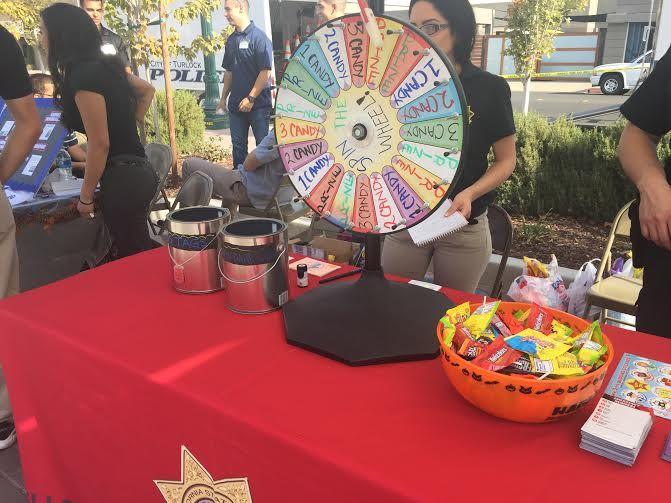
621 421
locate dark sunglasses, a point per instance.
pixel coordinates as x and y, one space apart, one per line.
431 29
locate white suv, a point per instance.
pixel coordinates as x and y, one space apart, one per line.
618 78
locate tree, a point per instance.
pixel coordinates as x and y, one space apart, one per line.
22 17
532 27
131 19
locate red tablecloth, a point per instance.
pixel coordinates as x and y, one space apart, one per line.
111 372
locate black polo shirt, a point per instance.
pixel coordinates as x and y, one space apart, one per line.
14 82
491 119
649 109
247 53
113 44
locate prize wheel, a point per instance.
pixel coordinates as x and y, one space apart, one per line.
371 137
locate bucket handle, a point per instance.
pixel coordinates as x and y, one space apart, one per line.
245 281
174 262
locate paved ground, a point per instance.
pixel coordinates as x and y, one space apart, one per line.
11 478
554 104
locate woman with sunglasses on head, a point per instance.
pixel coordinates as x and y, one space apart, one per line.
460 259
97 97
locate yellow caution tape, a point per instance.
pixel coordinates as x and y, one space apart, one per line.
572 72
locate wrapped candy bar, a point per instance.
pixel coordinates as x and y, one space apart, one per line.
497 355
592 333
459 314
537 344
539 319
448 330
514 325
535 268
499 326
520 366
470 349
521 316
590 352
481 317
564 365
561 332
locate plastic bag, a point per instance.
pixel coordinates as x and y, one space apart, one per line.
548 292
577 290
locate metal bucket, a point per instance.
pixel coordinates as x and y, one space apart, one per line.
193 245
255 265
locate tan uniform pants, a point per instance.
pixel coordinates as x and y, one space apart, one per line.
9 278
459 260
227 182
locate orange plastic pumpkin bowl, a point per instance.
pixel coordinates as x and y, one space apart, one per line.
516 398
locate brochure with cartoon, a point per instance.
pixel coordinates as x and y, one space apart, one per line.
643 383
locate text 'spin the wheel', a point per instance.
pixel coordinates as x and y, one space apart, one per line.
371 137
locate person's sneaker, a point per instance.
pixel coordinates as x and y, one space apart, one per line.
7 434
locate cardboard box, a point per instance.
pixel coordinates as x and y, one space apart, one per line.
321 247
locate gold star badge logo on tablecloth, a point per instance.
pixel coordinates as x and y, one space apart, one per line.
197 485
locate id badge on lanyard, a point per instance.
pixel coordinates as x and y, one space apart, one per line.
244 44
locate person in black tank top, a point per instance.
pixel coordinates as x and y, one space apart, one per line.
97 97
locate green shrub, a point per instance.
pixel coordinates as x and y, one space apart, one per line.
568 170
189 121
215 149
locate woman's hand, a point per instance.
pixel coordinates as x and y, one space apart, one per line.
86 210
462 204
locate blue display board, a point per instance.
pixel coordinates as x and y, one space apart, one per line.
35 168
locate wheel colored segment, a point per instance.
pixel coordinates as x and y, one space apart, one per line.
308 176
407 200
425 184
427 74
364 210
437 103
289 130
299 80
386 212
439 161
357 42
445 133
342 208
290 104
314 61
322 196
296 155
378 57
407 53
332 42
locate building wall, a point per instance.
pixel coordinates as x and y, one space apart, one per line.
632 11
625 12
664 31
616 38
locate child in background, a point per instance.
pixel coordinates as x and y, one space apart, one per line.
43 87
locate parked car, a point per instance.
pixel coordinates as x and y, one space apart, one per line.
618 78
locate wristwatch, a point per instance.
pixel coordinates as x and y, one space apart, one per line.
251 98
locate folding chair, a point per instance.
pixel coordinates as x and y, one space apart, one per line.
501 229
614 293
196 191
286 211
160 158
